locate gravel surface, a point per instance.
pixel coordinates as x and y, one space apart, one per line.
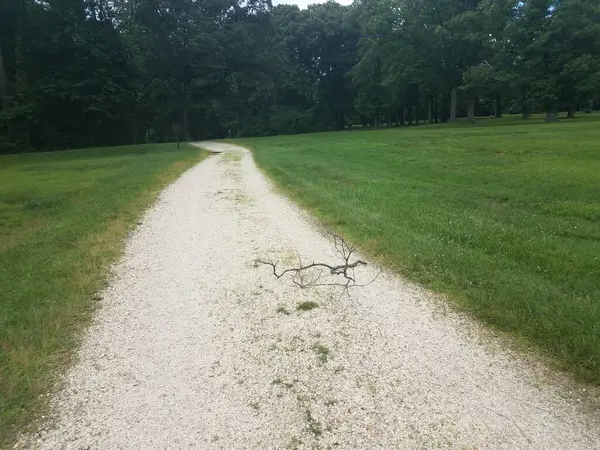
198 346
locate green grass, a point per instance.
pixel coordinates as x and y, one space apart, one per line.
322 352
307 306
283 310
63 217
313 425
503 216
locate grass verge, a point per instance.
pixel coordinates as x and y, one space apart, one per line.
503 216
63 220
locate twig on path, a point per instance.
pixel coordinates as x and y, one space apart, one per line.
346 269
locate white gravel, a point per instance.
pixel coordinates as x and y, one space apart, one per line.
190 350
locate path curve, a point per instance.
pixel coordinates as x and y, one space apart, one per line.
196 346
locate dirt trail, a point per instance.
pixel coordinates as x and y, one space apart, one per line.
196 346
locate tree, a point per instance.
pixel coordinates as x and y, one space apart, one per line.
182 41
77 73
575 31
537 54
335 39
9 19
3 76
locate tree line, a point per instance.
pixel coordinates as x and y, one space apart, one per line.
82 73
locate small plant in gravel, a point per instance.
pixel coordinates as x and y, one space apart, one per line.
313 425
279 382
307 306
293 444
322 352
254 405
283 310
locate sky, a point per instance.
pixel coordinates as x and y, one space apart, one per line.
304 3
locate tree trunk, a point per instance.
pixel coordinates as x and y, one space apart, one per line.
389 122
3 78
498 114
429 111
525 108
134 128
551 116
376 119
185 100
335 124
403 117
471 109
409 116
526 112
571 111
453 105
443 112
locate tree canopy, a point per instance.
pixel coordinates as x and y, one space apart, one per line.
80 73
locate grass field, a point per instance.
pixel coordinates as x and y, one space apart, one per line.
503 216
63 217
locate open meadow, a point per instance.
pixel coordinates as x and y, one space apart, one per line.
63 219
487 225
503 216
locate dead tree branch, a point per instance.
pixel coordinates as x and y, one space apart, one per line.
318 270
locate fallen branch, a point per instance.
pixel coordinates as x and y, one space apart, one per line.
345 269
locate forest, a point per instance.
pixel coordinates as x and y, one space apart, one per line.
87 73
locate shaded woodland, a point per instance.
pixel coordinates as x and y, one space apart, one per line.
85 73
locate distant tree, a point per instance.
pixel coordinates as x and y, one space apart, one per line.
79 73
9 20
182 42
575 33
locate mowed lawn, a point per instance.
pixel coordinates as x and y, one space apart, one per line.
503 216
63 217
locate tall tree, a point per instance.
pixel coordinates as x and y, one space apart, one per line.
182 39
575 32
98 72
9 20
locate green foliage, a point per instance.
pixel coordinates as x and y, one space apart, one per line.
490 49
289 120
72 79
502 216
323 352
78 73
307 306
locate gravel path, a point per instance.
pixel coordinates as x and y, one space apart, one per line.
196 346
